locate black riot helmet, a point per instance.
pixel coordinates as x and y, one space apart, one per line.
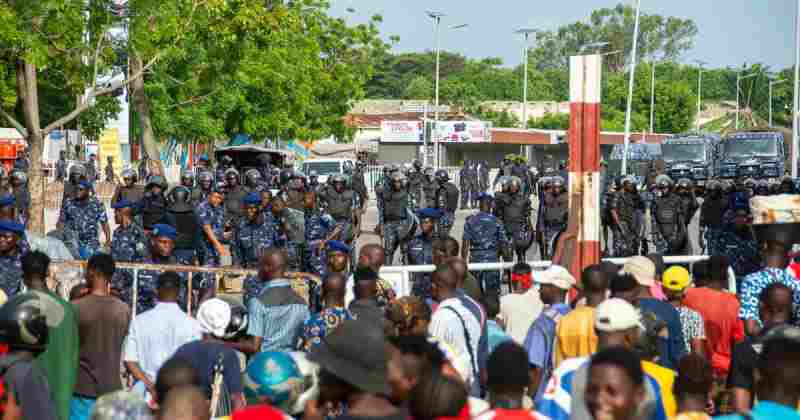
285 176
226 160
129 176
24 320
237 327
232 177
179 194
205 180
442 175
417 164
252 178
187 178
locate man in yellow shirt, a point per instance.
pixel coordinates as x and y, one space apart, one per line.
575 336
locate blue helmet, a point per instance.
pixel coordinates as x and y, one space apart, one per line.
276 376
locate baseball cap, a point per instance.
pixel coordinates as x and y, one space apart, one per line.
214 316
642 268
676 278
557 276
615 314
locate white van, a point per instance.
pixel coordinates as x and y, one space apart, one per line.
327 167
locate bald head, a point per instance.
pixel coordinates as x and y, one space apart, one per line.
372 256
459 266
187 402
273 263
333 289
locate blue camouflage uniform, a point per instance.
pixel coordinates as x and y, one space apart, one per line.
9 200
291 231
487 239
214 217
251 240
129 244
419 251
318 226
11 263
80 220
395 221
741 248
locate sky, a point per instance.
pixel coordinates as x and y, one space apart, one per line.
730 32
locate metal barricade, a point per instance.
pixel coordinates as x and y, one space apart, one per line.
400 276
374 173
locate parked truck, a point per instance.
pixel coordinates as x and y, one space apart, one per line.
757 154
690 156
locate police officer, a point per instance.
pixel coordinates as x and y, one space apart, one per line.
91 168
202 164
293 194
225 163
292 231
128 245
556 211
520 170
10 257
110 177
79 220
61 166
319 229
429 188
188 182
749 187
358 184
128 190
205 184
153 206
762 187
211 217
669 230
342 204
181 216
337 259
419 251
514 209
233 197
446 202
485 240
466 176
253 234
416 179
712 211
393 219
483 175
313 181
786 186
77 173
22 197
624 206
685 190
253 181
736 240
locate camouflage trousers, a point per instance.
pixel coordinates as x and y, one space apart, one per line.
625 245
314 259
446 223
391 239
715 242
489 281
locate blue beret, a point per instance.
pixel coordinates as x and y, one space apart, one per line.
11 226
485 196
165 230
123 204
252 198
85 184
7 200
429 213
338 246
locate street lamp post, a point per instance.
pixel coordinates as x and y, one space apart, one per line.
652 93
627 138
739 79
772 82
700 64
526 32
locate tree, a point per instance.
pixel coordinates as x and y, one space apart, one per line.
420 87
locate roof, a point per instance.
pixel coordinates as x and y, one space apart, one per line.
536 136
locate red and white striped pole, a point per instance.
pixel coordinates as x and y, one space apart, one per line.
584 160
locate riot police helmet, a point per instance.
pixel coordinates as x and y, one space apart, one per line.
442 175
417 164
24 320
251 177
514 181
187 177
714 184
204 176
630 179
685 183
156 180
338 178
664 181
558 181
226 160
750 183
128 173
231 174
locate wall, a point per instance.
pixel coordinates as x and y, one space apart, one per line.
493 154
398 153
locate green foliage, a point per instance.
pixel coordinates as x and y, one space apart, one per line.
550 122
498 118
93 121
420 87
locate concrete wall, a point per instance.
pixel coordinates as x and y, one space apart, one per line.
493 154
397 152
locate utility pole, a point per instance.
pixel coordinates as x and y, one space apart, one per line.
700 64
652 93
627 139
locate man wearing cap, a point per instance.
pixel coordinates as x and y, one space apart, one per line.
676 280
353 363
484 241
80 217
211 216
419 251
253 234
10 257
214 316
394 216
617 324
554 283
670 348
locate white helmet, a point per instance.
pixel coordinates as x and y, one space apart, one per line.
310 371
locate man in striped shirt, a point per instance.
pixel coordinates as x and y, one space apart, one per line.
277 315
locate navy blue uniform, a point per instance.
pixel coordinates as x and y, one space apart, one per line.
487 239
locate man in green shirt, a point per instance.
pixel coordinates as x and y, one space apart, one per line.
59 361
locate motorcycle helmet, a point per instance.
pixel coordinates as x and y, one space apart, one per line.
187 178
205 179
231 175
156 180
442 175
309 370
26 318
663 181
275 376
237 327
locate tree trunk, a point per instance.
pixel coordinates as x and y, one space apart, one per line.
143 112
27 90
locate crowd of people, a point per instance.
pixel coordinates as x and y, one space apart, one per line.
318 333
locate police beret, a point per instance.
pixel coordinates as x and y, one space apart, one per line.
164 230
123 204
7 200
252 199
11 226
429 213
85 184
338 246
485 196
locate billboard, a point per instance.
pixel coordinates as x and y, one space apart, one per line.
462 131
401 131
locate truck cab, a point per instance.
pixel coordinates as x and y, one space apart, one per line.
327 167
689 156
752 154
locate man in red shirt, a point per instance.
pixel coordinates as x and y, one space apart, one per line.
720 311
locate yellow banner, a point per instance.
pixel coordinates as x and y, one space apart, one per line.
108 145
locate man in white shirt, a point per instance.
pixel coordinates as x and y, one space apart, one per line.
453 323
154 335
520 308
